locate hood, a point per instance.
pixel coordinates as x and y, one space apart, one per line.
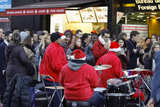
76 64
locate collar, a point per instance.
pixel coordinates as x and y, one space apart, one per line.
101 40
6 42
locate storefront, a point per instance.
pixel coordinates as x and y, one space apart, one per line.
35 14
88 19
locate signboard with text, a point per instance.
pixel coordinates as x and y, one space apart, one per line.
5 4
147 5
37 11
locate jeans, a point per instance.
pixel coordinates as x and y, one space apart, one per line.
98 99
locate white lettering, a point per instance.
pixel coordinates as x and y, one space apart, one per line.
147 7
60 10
143 1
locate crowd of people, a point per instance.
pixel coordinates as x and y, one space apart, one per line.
69 58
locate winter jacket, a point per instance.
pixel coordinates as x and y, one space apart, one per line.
155 85
98 50
17 62
53 60
78 80
18 92
115 71
89 55
3 63
132 56
3 66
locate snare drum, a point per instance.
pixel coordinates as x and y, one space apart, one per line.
112 85
127 87
117 86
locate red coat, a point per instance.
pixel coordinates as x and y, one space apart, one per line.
78 85
98 50
53 60
115 71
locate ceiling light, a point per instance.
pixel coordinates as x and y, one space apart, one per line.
141 13
154 13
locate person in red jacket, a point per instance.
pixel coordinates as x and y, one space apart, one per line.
115 71
79 79
53 60
101 46
110 58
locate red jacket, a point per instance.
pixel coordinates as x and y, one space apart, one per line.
78 85
98 50
115 71
53 60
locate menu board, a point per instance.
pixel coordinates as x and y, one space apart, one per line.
73 16
88 15
101 13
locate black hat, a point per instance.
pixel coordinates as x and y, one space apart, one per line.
55 36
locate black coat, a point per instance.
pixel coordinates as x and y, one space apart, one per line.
19 92
3 66
132 56
155 85
17 62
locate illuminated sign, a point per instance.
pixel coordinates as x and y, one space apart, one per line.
147 5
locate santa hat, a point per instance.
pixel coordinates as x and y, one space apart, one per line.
78 55
115 47
62 36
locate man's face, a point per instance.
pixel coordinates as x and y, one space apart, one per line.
136 38
156 48
106 37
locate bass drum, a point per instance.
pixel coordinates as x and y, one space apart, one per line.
122 101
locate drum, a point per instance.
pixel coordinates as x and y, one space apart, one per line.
112 85
115 101
122 101
118 86
127 87
100 89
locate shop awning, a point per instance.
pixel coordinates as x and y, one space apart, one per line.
43 8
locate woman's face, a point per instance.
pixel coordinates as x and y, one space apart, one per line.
87 40
35 37
121 43
78 42
148 41
156 48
